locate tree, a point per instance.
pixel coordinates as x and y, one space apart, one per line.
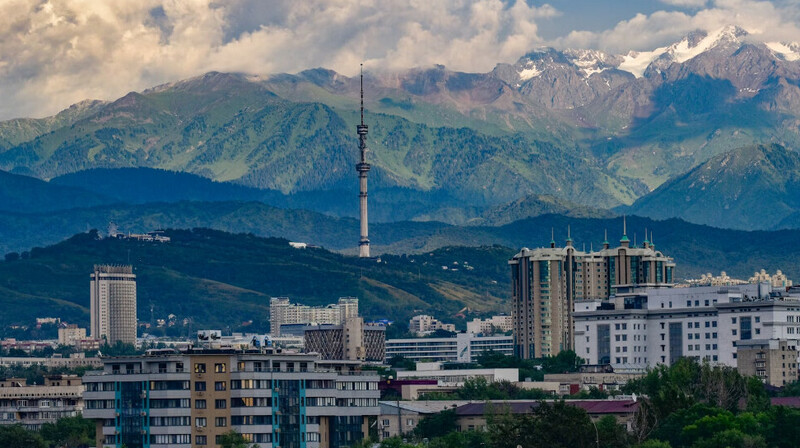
436 425
15 436
233 439
69 432
612 434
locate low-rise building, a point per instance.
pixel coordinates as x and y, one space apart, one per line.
399 418
602 377
192 398
772 361
462 347
457 377
424 324
473 416
33 405
74 360
492 325
70 334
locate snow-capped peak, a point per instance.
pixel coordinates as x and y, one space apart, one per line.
689 47
590 61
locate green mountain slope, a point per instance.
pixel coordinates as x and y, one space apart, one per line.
233 127
23 194
219 279
750 187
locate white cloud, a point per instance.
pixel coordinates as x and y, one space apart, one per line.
686 3
766 21
57 52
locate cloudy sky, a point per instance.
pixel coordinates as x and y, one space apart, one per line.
54 53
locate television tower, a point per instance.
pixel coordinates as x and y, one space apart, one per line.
363 168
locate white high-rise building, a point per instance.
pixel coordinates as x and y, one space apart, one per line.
113 304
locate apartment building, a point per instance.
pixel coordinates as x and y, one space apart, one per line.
423 323
772 361
548 281
191 398
491 325
33 405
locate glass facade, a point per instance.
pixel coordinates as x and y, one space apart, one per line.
675 342
133 421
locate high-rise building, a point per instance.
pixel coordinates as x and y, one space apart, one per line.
113 304
547 282
192 398
363 168
282 312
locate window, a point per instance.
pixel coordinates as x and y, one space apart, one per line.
199 404
385 422
219 385
220 404
409 422
200 422
758 319
199 368
220 367
221 422
201 440
733 320
199 386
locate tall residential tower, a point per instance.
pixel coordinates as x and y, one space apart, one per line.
363 168
548 281
113 304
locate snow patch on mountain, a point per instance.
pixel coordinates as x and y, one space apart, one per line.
788 51
530 71
590 61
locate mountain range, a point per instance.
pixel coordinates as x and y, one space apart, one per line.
582 127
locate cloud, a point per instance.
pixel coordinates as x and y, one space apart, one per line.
56 52
686 3
766 21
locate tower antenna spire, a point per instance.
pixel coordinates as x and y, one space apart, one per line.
362 94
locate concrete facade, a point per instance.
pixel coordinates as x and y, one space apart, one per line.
772 361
